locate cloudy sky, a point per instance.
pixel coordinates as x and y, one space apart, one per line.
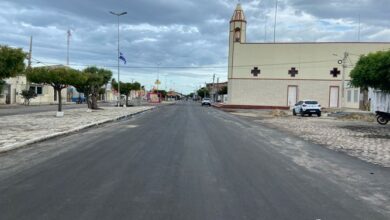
185 42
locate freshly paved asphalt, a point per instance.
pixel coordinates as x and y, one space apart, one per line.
187 162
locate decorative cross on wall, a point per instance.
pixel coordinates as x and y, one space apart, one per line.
256 71
293 72
335 72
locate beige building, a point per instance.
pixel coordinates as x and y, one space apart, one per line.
13 88
280 74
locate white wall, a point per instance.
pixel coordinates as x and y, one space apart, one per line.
379 101
314 61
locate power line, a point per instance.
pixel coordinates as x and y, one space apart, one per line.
193 67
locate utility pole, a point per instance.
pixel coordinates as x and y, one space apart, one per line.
346 55
217 88
29 61
213 90
67 50
204 91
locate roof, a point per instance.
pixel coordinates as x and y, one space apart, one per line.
238 14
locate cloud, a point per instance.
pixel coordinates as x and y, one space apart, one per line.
177 33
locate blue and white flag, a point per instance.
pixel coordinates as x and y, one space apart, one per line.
121 57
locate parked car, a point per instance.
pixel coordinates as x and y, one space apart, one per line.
308 107
206 101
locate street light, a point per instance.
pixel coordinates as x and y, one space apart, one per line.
119 84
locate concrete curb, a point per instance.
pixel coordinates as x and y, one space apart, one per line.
50 136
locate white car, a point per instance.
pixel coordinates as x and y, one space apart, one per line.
308 107
206 101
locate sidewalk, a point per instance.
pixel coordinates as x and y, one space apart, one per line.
20 130
359 137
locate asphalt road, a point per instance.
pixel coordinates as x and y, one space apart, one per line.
188 162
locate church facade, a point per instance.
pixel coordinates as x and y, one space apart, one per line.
277 75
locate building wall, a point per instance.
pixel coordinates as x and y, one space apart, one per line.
314 61
352 98
18 84
274 92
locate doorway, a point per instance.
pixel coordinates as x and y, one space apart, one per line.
334 97
292 95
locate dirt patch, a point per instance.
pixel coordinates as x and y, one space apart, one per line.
357 117
278 113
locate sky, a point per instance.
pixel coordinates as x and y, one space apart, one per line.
181 42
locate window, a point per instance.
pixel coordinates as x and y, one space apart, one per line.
237 34
349 96
311 102
355 95
37 89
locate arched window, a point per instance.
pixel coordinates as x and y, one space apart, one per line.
237 34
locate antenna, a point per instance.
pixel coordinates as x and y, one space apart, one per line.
276 11
359 30
265 27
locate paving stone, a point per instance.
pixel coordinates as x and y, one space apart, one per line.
365 140
21 128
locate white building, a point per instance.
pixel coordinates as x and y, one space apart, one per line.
277 75
13 88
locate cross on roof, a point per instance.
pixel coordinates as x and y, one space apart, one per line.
335 72
256 71
293 72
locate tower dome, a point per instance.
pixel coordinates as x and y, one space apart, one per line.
238 14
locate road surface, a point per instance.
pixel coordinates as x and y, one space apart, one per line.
185 161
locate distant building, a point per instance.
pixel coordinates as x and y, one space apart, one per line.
277 75
214 89
173 96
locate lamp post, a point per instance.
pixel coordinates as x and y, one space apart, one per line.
119 82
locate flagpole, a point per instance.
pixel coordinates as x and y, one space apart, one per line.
119 84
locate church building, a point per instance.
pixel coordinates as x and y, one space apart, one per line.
277 75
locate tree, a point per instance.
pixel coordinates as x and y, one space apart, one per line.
102 92
11 62
97 78
203 92
163 93
90 82
223 90
27 95
59 77
372 70
126 88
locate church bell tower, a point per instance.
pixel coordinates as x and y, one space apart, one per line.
237 34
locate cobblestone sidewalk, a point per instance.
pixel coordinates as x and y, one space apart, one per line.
20 130
368 141
365 140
